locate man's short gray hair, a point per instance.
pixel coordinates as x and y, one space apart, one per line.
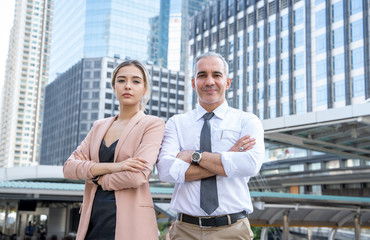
210 54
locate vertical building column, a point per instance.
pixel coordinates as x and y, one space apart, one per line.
291 57
264 233
265 61
347 54
286 225
329 57
357 227
332 233
366 48
308 55
278 60
309 233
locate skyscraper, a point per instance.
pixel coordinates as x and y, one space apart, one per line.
97 28
289 57
180 12
25 79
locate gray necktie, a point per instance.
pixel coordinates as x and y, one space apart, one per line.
208 186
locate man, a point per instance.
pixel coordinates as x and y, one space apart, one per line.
29 230
210 153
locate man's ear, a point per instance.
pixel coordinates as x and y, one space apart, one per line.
193 84
228 83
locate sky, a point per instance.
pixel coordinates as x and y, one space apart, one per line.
6 22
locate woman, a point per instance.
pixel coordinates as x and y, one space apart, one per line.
116 159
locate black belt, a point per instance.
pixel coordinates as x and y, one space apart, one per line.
215 221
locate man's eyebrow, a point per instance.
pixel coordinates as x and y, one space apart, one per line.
201 72
217 72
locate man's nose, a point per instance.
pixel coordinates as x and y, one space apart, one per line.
210 80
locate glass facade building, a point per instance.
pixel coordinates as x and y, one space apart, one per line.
84 94
25 80
94 28
288 57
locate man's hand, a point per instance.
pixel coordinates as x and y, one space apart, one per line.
243 144
185 155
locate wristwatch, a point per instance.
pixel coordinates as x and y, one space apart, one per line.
196 157
95 180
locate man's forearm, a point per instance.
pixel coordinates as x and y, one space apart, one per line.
195 172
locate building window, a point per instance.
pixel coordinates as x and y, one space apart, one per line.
94 105
272 70
284 88
284 44
320 44
321 69
260 94
357 58
320 19
250 78
285 108
318 2
272 111
314 166
87 64
321 95
296 168
356 31
96 74
272 49
260 74
97 64
96 84
339 92
260 54
332 164
284 22
338 64
272 90
250 38
85 95
250 98
272 28
298 38
95 95
298 16
284 66
338 37
250 58
356 6
300 106
260 34
337 11
86 74
298 60
299 83
358 86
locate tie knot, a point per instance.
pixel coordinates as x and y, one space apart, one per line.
208 115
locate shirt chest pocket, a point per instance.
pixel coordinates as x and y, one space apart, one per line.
226 138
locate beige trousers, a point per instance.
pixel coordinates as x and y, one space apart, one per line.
240 230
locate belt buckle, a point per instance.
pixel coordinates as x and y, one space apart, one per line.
201 224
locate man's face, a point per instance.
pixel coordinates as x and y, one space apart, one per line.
210 82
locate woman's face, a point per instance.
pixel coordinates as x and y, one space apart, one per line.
129 86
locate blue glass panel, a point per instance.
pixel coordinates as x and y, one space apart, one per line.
356 31
338 64
320 19
298 16
339 92
357 58
358 86
321 95
338 37
337 11
321 69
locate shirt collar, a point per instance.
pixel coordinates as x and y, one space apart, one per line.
220 111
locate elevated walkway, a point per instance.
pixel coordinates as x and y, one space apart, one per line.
341 131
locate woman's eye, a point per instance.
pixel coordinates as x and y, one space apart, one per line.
137 81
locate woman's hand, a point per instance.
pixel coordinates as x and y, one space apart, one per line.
243 144
135 164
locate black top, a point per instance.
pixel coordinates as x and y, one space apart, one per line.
103 215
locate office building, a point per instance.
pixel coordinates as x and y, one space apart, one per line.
84 94
86 29
302 67
288 57
25 79
180 13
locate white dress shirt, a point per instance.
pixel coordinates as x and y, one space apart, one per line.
227 127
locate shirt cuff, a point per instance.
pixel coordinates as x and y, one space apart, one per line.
229 167
178 170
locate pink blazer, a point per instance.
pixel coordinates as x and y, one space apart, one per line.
135 218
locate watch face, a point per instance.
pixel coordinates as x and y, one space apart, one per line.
196 156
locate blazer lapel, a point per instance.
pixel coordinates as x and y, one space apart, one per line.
131 124
100 133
